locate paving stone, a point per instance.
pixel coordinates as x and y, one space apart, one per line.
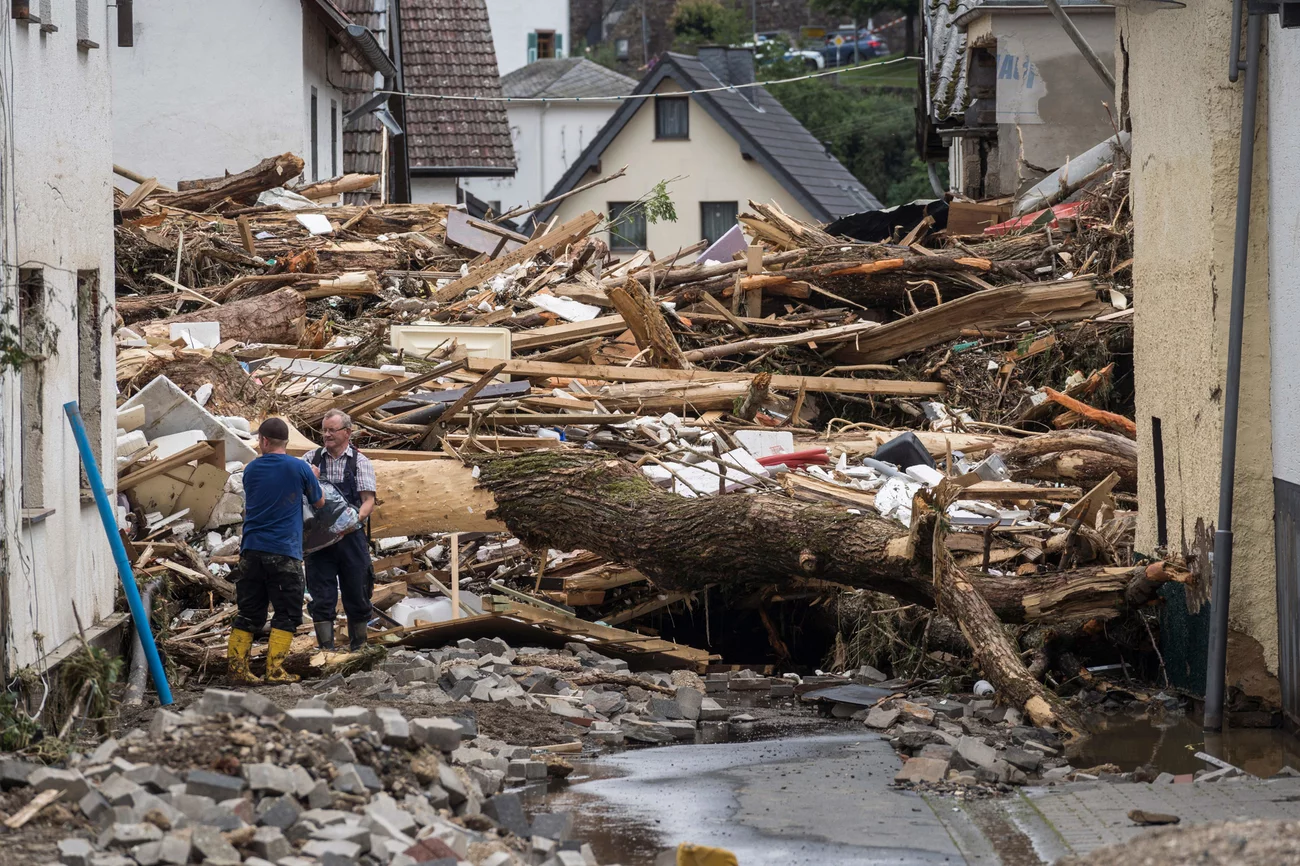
976 752
1164 779
392 726
489 781
218 786
360 716
279 812
190 805
221 701
366 776
646 732
94 806
664 708
441 734
117 789
111 859
75 852
317 721
712 711
919 769
260 706
345 832
269 842
154 778
213 848
396 818
553 825
449 780
319 797
508 811
71 783
15 773
126 835
690 701
173 849
1023 759
220 817
269 777
682 731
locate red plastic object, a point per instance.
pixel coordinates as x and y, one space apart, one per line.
794 460
1060 212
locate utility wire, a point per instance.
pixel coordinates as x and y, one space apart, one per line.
726 88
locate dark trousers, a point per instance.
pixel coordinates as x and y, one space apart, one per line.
268 579
343 566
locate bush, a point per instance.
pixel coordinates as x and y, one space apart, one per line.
707 22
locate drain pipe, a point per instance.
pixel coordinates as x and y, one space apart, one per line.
134 694
1216 666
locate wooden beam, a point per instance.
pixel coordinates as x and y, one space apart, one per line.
566 234
811 384
569 332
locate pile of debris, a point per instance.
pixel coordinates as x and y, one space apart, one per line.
850 391
344 776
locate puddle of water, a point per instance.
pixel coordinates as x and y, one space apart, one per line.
615 834
1170 745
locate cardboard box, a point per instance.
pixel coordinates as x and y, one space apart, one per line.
972 218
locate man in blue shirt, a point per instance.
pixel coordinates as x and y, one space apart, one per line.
270 556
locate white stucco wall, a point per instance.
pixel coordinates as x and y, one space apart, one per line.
513 20
212 87
433 190
57 216
547 138
1284 246
708 165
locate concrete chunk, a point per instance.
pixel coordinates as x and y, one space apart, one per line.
213 849
269 777
75 852
126 835
689 702
317 721
508 811
269 842
931 770
441 734
218 786
154 778
880 718
977 753
72 785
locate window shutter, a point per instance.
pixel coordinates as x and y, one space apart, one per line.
559 44
532 47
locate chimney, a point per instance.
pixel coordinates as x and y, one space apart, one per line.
714 58
740 67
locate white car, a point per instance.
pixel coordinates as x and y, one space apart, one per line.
809 59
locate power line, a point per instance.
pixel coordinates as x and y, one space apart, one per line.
726 88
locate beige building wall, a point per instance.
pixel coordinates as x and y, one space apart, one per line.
708 167
1186 119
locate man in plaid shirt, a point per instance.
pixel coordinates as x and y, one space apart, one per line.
344 565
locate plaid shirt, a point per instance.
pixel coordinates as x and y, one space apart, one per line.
334 468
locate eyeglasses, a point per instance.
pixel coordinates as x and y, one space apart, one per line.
333 430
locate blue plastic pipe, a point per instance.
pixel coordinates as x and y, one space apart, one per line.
106 513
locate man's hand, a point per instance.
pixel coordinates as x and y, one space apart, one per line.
315 469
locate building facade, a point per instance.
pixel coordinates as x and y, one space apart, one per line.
525 31
56 201
201 88
716 151
549 136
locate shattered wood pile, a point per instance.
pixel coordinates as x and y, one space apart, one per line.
943 419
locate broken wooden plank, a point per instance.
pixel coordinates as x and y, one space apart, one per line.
562 236
569 332
811 384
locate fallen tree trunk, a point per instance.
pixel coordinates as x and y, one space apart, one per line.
1083 457
243 187
586 500
275 318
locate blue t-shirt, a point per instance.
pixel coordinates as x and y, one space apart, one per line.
274 485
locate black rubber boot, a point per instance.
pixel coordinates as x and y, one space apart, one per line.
325 635
357 632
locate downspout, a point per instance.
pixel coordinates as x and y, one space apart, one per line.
1072 30
1216 665
541 152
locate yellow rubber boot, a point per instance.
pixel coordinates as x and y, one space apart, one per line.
276 653
237 649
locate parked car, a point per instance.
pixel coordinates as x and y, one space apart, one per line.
810 59
842 54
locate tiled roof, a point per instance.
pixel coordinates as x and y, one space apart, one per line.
565 77
363 141
801 161
945 57
447 49
763 129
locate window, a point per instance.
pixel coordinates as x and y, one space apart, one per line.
716 219
626 231
672 117
334 138
315 139
31 326
621 49
90 361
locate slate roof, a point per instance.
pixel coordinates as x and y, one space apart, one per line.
764 130
363 141
447 49
565 77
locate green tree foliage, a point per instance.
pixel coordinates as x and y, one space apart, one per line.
872 134
707 22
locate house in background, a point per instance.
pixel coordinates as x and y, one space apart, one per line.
720 149
525 31
57 311
199 90
446 49
1005 90
549 137
374 135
